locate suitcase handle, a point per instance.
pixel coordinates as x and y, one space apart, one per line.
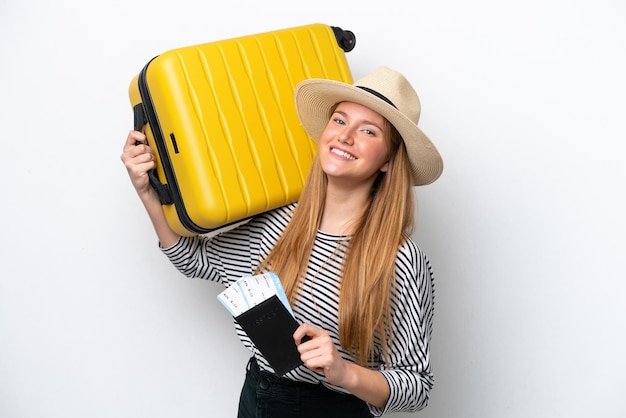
345 38
161 189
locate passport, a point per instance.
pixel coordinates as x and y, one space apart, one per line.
259 305
270 326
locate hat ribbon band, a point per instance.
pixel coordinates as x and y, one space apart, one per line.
377 94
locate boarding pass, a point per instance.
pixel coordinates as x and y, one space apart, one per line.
249 291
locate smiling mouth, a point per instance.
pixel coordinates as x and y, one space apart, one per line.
342 154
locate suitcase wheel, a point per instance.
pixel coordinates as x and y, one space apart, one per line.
345 38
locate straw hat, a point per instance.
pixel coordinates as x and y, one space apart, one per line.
385 91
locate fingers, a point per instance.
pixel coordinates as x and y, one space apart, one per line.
312 341
319 353
138 158
306 332
135 146
134 138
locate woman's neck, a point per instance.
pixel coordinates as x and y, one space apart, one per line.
342 209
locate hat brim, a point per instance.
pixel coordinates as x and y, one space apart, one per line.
315 99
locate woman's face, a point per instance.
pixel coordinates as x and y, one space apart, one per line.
353 146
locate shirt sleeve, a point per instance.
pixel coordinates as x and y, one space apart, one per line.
407 367
232 253
222 258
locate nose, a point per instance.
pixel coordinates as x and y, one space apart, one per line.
346 137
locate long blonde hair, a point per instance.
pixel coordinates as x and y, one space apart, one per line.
368 272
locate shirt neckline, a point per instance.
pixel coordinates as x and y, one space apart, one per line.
332 237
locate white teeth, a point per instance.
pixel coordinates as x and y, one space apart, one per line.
343 154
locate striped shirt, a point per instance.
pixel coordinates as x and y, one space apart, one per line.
228 256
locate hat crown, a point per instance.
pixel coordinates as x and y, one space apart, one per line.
394 87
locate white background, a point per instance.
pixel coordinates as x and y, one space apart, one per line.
525 229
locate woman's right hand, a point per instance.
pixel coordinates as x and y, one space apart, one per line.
138 158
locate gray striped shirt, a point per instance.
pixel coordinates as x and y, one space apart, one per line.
228 256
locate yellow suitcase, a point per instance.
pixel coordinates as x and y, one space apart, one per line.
221 119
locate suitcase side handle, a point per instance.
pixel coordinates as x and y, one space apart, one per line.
139 117
345 38
161 189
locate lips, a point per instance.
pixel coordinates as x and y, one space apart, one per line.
342 153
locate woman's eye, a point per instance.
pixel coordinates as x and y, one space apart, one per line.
340 121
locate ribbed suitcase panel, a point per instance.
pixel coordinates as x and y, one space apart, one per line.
239 148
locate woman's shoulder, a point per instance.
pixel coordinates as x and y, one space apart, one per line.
410 249
271 222
279 216
411 259
414 274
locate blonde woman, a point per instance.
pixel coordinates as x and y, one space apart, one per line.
358 284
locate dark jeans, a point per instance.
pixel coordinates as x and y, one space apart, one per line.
266 395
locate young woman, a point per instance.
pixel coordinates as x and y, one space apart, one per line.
360 287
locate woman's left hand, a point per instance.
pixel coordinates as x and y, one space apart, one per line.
318 353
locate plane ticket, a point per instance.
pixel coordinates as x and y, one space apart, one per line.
249 291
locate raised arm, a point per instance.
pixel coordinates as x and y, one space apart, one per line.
138 158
